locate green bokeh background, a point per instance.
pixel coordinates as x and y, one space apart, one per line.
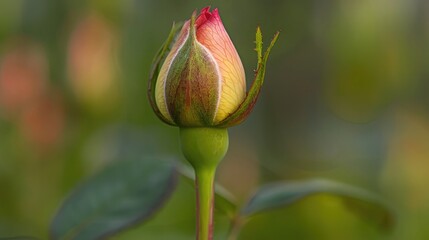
346 97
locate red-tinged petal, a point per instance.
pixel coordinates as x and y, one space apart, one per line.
212 35
205 14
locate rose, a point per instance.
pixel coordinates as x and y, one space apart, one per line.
197 82
198 79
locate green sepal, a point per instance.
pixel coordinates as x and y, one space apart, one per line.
191 88
247 105
156 67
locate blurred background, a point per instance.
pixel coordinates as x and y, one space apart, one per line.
346 97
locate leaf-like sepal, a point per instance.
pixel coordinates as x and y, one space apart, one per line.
247 105
156 66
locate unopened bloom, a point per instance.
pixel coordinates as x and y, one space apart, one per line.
198 79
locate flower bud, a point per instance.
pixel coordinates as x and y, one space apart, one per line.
198 79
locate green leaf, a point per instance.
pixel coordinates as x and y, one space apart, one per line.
284 194
224 200
125 193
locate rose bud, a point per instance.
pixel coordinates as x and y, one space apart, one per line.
197 78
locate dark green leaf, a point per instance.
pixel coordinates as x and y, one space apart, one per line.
284 194
124 194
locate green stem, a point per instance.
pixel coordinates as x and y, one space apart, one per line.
204 148
204 183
